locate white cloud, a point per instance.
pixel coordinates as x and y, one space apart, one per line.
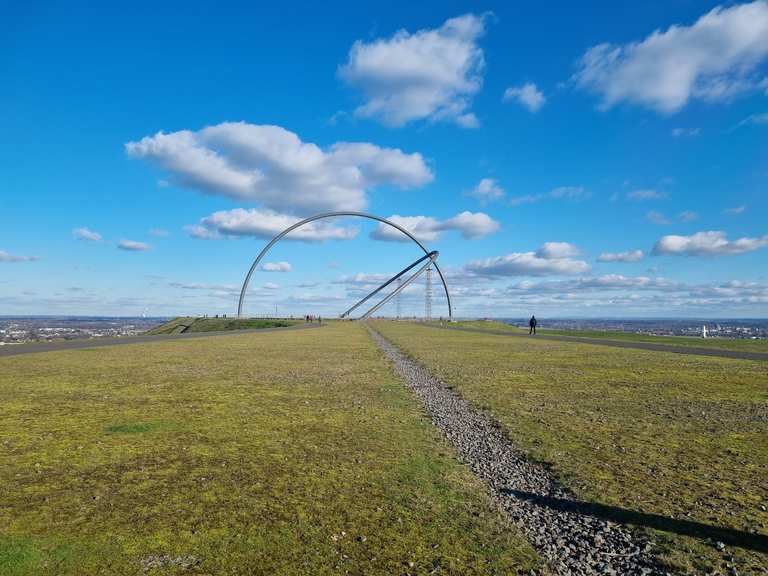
736 210
657 218
159 233
6 257
688 216
573 193
628 256
680 132
528 95
551 259
428 229
552 250
277 267
713 59
487 190
86 234
712 243
231 288
430 74
265 224
644 194
133 246
755 119
271 165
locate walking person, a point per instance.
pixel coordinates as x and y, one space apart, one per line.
532 323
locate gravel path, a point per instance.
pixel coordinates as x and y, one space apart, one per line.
574 543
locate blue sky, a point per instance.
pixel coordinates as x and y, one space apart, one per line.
608 159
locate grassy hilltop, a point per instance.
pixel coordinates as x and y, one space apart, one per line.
279 453
298 452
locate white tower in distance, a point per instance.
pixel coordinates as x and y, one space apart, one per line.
704 331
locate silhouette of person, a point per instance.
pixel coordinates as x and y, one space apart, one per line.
532 323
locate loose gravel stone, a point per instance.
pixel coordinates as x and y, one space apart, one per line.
572 541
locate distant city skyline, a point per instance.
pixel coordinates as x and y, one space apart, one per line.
572 161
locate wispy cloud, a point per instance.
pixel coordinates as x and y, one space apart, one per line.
657 218
688 216
6 257
644 194
572 193
682 132
86 234
735 211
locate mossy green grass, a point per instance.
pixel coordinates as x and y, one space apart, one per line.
293 452
676 443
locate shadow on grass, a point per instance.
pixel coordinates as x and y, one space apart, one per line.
728 536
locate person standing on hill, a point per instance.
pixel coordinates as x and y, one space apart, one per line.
532 323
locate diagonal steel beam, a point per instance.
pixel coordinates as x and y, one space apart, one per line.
400 288
433 255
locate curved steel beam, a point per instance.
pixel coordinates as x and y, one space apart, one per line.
399 289
277 238
433 255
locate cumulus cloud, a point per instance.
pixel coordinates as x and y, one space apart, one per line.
552 250
133 246
277 267
644 194
551 259
6 257
430 74
572 193
527 95
428 229
487 190
265 224
711 243
628 256
271 165
86 234
159 232
714 59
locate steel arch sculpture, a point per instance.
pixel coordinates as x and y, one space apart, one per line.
322 216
